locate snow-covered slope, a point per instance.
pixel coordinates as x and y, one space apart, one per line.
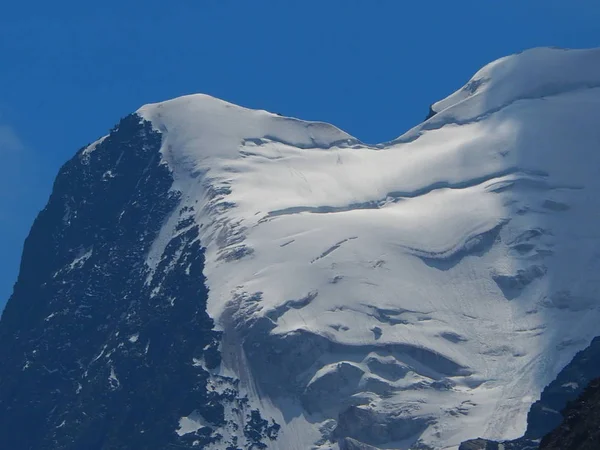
425 290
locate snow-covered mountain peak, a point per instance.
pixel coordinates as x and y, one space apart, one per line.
219 127
431 281
219 277
534 73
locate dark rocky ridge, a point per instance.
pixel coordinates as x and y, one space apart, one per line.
581 428
95 353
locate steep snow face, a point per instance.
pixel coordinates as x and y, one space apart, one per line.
422 291
532 74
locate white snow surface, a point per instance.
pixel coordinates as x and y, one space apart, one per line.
473 242
191 423
85 154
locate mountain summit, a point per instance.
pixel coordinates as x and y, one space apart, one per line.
210 276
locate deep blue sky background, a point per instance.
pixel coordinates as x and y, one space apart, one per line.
70 69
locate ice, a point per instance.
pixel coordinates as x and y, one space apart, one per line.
190 424
446 277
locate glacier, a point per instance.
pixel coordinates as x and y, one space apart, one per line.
410 294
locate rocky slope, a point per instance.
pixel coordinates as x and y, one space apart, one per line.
93 355
580 429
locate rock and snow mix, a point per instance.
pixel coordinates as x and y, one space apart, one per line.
422 290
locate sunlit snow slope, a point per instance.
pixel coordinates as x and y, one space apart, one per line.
422 291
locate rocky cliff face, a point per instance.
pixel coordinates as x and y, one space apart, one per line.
95 354
580 429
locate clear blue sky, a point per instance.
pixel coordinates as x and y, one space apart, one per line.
71 69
